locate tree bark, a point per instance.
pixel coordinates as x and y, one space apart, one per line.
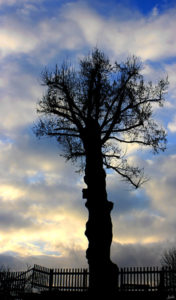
103 273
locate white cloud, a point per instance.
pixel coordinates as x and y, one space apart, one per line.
36 198
17 2
171 71
77 25
155 12
148 37
172 125
16 37
8 2
20 91
162 188
88 22
147 215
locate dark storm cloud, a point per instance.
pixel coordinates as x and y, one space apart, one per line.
139 255
124 255
13 220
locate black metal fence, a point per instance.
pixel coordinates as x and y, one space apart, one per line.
147 279
60 279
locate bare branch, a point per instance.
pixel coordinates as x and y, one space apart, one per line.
129 174
129 142
57 134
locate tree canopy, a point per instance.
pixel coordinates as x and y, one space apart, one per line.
112 95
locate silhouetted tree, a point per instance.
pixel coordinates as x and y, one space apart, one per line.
93 111
11 280
168 258
168 261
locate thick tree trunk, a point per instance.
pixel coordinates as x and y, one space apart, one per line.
103 273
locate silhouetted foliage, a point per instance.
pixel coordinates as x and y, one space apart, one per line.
116 97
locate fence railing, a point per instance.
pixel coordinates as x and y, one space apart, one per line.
60 279
140 279
148 279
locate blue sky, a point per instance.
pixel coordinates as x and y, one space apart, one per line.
42 214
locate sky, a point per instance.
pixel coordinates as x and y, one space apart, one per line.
42 213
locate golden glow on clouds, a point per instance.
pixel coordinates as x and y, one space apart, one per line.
151 240
10 193
138 240
125 240
55 231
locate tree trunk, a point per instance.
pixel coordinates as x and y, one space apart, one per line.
103 273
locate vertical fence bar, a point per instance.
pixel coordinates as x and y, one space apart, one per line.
161 281
154 283
135 270
144 280
122 278
147 276
84 279
130 271
64 281
75 279
154 276
51 280
69 278
137 275
57 279
150 279
63 278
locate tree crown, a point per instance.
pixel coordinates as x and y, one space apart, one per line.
112 96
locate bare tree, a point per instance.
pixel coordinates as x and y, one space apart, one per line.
14 282
93 111
168 258
168 262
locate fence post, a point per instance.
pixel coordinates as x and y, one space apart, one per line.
32 281
50 280
121 279
161 283
84 279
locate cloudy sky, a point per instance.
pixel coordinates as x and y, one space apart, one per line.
42 213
